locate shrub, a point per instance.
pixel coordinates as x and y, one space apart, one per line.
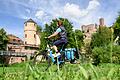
102 54
116 54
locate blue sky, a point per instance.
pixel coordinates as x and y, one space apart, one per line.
13 13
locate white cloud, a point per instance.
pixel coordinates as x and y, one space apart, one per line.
45 10
28 11
39 14
80 16
93 4
73 10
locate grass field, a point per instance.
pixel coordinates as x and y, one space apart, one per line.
83 71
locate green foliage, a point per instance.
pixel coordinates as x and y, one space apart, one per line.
101 54
68 72
2 61
3 43
116 27
39 29
102 44
99 43
101 38
78 38
84 72
43 41
116 54
3 39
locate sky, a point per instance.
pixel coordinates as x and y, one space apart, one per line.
13 13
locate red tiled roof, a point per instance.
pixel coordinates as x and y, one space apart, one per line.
14 39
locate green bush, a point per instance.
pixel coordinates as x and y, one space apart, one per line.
116 54
102 54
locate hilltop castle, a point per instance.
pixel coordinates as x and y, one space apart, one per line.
88 30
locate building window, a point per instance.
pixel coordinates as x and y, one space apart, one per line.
25 35
34 36
14 40
25 24
88 30
19 41
25 42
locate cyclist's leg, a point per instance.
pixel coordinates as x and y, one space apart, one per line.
55 46
58 43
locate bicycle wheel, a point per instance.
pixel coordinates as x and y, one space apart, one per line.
42 60
62 58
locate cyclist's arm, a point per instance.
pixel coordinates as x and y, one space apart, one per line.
55 33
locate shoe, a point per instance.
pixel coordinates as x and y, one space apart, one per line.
75 62
57 54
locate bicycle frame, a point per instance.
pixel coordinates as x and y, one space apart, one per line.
51 55
66 55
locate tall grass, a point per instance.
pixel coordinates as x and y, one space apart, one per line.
67 72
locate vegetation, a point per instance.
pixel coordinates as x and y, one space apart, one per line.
3 43
102 50
116 28
39 29
3 39
78 38
101 38
102 45
68 72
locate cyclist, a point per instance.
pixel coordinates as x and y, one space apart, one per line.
62 40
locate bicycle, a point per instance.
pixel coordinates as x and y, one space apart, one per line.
46 56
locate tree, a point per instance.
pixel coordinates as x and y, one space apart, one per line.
43 41
78 38
3 39
101 45
101 38
116 28
39 29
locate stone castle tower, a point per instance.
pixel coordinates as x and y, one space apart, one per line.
30 33
101 22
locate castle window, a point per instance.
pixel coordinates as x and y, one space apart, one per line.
25 35
88 30
25 24
34 36
25 42
18 40
14 40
